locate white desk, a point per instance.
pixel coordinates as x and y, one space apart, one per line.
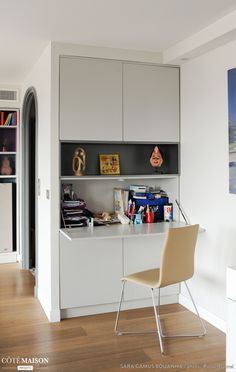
93 259
119 231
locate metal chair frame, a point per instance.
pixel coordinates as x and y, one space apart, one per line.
158 330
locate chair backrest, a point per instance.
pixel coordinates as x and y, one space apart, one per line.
177 261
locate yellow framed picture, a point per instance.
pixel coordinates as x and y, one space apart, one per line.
109 164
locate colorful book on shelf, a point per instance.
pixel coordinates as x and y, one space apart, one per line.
8 119
14 118
2 118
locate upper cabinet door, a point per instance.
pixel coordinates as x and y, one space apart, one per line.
151 103
90 99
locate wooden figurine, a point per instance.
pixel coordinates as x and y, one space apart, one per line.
78 162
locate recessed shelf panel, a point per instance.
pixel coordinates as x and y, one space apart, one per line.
134 159
7 139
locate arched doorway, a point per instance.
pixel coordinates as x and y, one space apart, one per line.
29 181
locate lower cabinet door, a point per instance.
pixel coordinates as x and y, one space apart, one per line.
143 253
90 271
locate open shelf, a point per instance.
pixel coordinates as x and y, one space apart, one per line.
134 160
10 176
7 153
8 126
8 183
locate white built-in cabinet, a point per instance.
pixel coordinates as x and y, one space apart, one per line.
106 100
150 103
113 101
90 99
91 270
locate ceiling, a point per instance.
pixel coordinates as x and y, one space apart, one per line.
27 26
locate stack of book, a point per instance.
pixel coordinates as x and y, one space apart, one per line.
8 118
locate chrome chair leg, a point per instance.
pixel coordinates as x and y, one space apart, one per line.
195 307
158 330
118 312
198 335
119 332
157 321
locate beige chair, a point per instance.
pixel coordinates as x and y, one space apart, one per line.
177 265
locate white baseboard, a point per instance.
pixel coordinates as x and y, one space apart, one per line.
8 257
53 315
204 314
107 308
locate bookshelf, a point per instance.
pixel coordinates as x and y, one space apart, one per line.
9 119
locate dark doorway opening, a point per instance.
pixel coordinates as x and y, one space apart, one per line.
29 179
32 181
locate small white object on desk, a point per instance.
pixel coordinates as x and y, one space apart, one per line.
91 222
124 220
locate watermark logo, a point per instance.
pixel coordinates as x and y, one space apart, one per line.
172 366
24 363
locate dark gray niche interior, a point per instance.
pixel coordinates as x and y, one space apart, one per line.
134 157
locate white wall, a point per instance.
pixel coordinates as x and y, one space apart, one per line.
204 166
204 180
40 79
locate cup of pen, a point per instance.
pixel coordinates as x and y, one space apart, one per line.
149 216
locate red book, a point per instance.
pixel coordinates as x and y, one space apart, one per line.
2 118
15 119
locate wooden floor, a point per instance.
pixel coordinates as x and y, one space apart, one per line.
88 344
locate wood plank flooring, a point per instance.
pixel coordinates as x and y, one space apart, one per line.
88 343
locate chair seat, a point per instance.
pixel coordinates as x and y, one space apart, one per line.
147 278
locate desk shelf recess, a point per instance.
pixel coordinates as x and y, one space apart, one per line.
135 168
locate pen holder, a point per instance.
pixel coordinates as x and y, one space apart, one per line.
138 219
149 217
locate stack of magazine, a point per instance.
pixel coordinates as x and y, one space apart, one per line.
73 213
